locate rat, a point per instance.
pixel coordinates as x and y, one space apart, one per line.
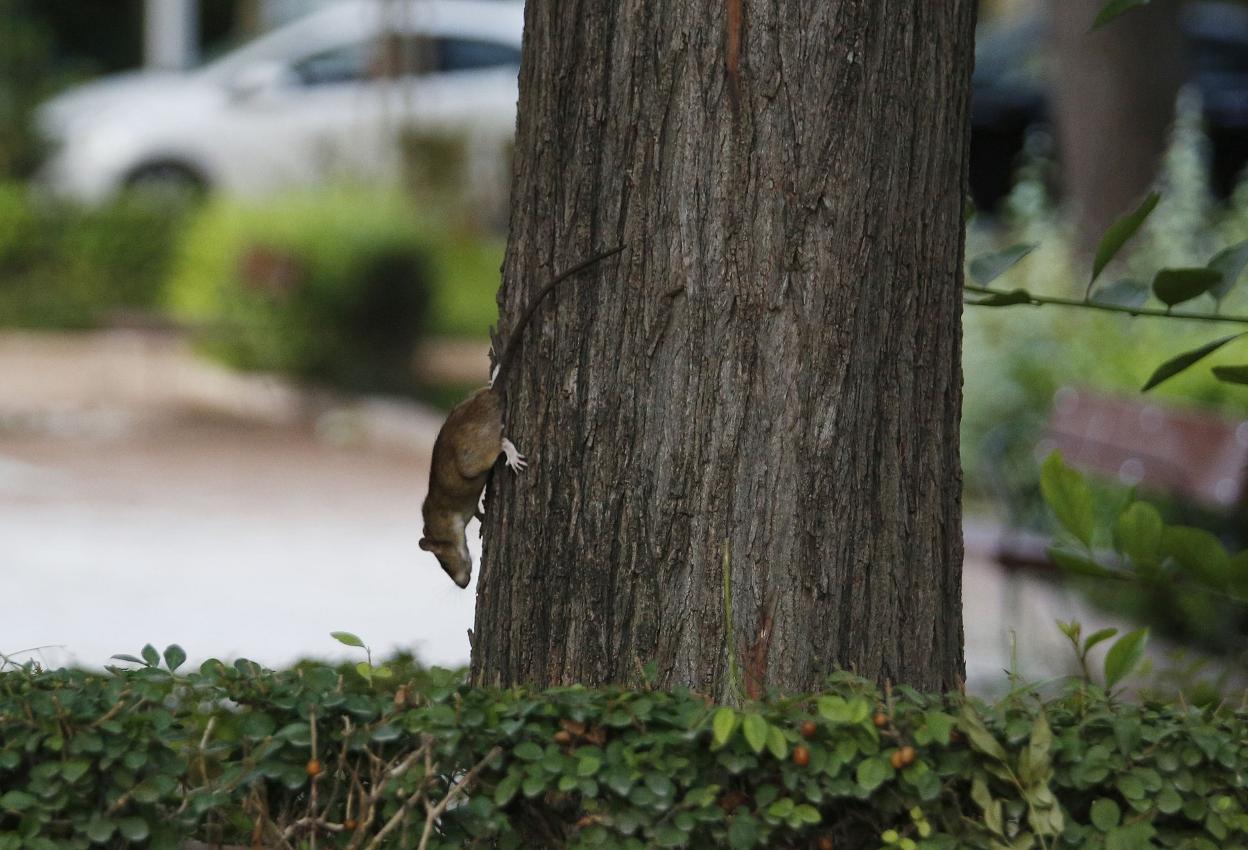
468 445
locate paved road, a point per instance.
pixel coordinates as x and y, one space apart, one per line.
227 539
145 496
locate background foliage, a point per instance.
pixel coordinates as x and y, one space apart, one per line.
64 266
330 286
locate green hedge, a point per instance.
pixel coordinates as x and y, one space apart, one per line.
330 286
67 266
146 757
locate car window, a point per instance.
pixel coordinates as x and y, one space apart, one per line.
466 54
347 64
393 56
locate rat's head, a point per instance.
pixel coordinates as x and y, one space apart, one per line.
453 556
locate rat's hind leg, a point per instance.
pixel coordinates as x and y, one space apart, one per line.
515 460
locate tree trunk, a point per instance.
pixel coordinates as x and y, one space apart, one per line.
1114 103
767 378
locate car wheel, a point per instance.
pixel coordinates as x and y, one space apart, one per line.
169 182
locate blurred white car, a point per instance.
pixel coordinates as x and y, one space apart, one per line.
322 98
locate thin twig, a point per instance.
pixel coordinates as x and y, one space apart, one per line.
203 745
369 804
117 708
432 813
314 822
1039 300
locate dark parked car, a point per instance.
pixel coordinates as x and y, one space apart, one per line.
1010 94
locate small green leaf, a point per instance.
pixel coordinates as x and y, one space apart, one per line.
150 656
722 726
528 751
1175 365
833 709
776 744
1169 801
1174 286
1230 262
986 268
1199 553
1105 814
130 658
100 829
873 772
533 784
133 829
16 801
755 729
1072 629
807 814
365 670
258 725
1113 9
978 734
1038 748
1004 299
506 789
1068 496
74 770
1124 655
939 726
1098 637
347 639
1137 533
1124 228
743 833
385 734
659 784
1122 293
174 657
1231 374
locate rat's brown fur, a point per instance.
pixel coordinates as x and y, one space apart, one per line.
463 455
466 449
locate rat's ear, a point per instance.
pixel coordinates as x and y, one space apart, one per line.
424 544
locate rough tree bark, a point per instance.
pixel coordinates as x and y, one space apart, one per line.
771 368
1114 99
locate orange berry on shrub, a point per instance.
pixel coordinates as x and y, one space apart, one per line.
896 760
808 729
801 756
825 843
908 755
349 824
314 767
563 737
880 720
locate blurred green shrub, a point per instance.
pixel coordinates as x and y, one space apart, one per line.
320 756
332 286
71 267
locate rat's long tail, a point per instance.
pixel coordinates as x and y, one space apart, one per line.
509 350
